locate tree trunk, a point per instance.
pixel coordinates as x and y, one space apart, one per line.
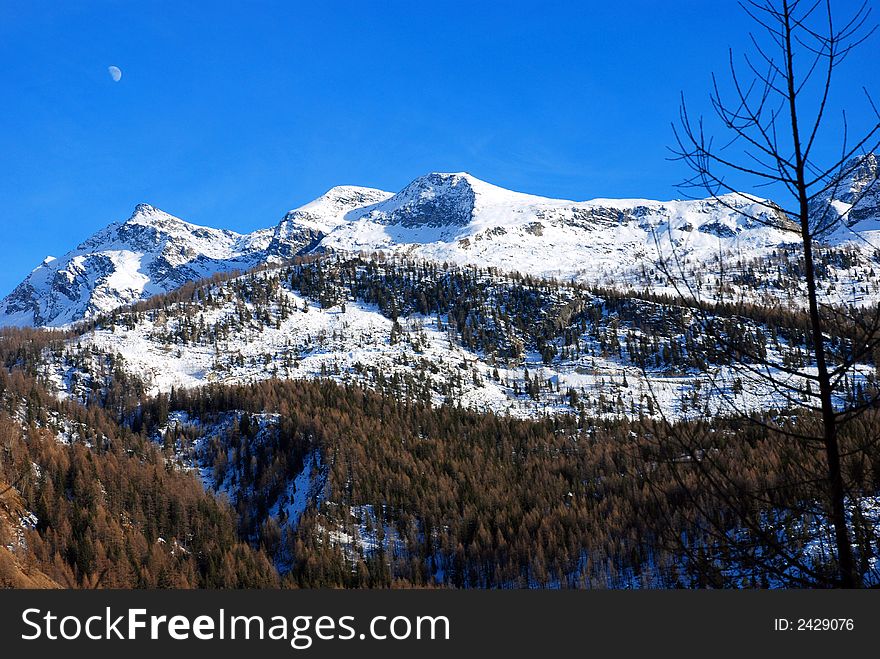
845 563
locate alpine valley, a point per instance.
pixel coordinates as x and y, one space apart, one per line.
451 385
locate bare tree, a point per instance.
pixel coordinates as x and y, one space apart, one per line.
774 112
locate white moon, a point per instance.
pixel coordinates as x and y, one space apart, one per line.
115 73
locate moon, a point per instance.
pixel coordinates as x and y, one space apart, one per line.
115 73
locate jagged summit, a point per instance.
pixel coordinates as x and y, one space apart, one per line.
143 209
145 214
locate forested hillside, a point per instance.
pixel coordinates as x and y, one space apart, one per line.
99 505
314 447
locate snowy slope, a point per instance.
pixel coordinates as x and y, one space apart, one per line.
301 229
226 339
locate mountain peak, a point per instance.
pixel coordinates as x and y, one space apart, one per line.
867 160
145 214
864 172
444 179
143 208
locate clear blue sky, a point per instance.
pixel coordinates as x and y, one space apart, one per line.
228 114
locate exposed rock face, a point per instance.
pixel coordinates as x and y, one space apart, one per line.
435 200
863 190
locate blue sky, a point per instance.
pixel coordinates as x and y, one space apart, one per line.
228 114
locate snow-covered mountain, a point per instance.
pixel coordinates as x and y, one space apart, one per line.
461 219
452 217
151 252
